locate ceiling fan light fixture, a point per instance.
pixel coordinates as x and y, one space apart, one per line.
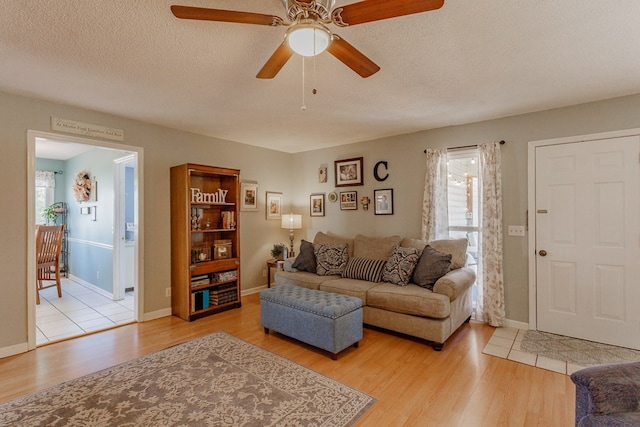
308 39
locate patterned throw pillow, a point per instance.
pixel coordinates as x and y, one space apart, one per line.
331 259
399 268
431 266
364 269
306 259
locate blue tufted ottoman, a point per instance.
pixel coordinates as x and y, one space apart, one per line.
325 320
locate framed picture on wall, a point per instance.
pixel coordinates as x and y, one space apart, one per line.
348 172
316 204
383 201
348 200
273 205
248 196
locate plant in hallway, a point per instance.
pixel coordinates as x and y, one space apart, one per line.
50 214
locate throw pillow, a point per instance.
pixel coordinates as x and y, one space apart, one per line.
399 268
364 269
330 239
306 259
431 266
456 247
331 259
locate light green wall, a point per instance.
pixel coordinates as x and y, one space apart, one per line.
274 171
405 155
163 148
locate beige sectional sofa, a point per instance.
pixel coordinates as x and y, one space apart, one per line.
430 313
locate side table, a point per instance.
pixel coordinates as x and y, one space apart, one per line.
273 263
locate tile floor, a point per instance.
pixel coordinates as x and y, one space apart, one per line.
505 343
79 311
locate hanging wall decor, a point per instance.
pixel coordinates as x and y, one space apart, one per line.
82 186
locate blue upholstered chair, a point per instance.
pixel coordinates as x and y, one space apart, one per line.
608 395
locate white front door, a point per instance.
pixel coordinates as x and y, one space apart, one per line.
587 240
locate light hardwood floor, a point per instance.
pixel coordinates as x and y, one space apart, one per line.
414 385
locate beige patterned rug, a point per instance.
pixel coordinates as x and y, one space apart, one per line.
574 350
216 380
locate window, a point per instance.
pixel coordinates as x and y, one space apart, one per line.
45 187
464 201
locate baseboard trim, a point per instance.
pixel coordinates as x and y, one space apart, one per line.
12 350
252 291
92 287
156 314
516 324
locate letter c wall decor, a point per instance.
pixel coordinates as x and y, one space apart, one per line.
375 171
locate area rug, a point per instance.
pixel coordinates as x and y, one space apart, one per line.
216 380
574 350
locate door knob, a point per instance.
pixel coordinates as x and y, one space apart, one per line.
542 253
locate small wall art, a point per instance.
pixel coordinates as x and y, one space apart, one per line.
322 174
383 201
349 200
348 172
273 205
248 196
316 204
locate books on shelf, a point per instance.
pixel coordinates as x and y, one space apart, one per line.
200 300
200 280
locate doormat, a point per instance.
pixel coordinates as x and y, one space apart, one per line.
574 350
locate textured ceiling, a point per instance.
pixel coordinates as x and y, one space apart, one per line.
468 61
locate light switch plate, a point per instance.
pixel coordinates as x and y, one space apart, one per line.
516 230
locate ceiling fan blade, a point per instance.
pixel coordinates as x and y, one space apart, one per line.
352 57
188 12
375 10
276 62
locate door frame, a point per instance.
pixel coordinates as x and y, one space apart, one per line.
119 260
531 204
32 135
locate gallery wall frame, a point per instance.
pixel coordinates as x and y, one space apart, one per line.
316 204
273 205
249 196
348 172
348 200
383 201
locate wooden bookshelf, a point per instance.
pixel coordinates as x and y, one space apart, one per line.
205 240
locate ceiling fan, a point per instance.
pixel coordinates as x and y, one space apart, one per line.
308 34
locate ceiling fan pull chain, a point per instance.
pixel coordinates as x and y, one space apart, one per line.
304 106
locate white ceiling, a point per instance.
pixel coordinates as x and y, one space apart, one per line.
467 62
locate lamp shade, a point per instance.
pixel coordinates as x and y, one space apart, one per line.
291 221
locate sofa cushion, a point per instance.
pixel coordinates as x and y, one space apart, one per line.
374 247
456 247
431 266
331 259
306 259
410 299
400 266
323 238
303 279
352 287
364 269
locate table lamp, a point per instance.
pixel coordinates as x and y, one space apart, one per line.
291 222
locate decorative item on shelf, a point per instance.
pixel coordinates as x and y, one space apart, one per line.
50 214
291 222
279 251
228 221
365 203
197 196
200 252
222 249
196 218
82 186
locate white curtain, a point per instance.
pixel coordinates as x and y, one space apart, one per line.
490 281
435 213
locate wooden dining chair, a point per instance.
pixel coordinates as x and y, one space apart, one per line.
48 245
